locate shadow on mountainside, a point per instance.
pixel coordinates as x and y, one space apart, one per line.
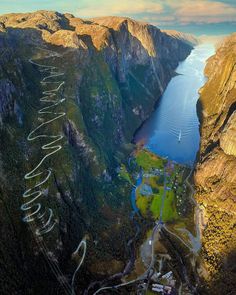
104 90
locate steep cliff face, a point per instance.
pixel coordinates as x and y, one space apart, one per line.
107 75
188 38
215 176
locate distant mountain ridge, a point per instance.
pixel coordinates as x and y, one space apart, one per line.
53 22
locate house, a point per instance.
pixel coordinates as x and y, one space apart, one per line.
168 275
157 288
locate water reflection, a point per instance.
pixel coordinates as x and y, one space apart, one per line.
173 129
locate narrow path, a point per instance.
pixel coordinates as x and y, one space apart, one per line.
196 240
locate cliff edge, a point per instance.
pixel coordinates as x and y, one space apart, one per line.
215 176
105 76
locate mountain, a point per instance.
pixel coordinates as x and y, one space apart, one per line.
72 94
215 176
185 37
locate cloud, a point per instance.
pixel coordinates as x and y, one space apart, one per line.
158 19
203 11
122 7
162 12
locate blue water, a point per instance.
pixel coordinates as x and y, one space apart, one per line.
173 128
133 193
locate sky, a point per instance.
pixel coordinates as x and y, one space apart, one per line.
200 17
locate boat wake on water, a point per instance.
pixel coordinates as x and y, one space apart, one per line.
173 129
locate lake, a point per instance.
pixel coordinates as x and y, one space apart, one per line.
173 129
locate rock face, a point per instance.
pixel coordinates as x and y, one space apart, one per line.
114 70
188 38
215 175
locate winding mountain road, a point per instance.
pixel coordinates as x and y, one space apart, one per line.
32 206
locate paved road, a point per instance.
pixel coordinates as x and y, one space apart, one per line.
158 225
82 245
146 274
32 205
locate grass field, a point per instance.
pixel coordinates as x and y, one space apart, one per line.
148 160
143 204
169 208
124 173
151 205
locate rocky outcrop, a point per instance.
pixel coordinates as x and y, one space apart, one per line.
215 176
188 38
42 20
7 91
114 70
228 138
139 55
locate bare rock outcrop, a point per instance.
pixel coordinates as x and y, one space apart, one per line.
215 176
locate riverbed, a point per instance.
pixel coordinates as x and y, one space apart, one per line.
173 129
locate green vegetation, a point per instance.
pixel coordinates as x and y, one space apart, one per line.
148 160
169 208
153 167
124 173
143 204
149 292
